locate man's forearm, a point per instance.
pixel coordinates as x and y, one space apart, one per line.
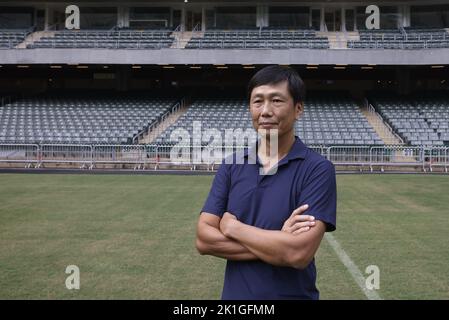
212 241
272 246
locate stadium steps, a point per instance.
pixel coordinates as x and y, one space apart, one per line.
339 40
384 132
182 38
35 36
336 39
172 118
351 36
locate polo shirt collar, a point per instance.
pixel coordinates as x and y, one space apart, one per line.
297 151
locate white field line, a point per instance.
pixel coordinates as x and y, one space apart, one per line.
352 268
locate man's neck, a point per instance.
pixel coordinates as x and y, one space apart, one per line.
285 143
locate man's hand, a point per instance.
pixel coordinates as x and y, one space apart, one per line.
297 222
226 222
210 240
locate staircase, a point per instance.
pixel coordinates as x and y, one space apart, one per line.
382 129
335 40
35 36
351 36
387 135
182 38
339 40
150 136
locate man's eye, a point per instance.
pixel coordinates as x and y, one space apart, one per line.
277 101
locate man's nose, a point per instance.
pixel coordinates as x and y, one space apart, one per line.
267 110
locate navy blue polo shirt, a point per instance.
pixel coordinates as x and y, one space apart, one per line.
266 201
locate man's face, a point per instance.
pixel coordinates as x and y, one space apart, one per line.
272 107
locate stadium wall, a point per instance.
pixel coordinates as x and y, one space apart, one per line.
225 56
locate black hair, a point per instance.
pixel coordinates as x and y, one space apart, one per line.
275 74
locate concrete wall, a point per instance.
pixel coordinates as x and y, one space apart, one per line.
220 56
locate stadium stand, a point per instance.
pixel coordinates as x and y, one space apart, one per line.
113 39
420 120
9 38
335 119
79 120
330 120
263 38
404 38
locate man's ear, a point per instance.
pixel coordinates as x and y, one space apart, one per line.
299 109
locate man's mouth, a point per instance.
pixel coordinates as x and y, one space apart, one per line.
267 124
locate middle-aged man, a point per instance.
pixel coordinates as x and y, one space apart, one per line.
256 220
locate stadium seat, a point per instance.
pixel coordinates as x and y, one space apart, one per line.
258 39
404 38
62 119
113 39
421 119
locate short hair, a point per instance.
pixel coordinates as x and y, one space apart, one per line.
275 74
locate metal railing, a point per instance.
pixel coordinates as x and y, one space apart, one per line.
381 120
260 44
112 44
425 158
399 44
349 156
20 153
119 154
66 153
404 36
151 127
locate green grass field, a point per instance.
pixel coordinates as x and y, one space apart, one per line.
133 237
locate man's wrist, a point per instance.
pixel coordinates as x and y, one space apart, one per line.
231 227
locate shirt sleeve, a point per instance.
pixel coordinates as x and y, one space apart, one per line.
217 200
320 193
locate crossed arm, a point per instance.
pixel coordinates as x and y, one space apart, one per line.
294 246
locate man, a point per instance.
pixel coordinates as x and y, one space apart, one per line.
257 221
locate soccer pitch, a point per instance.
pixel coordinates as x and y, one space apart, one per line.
132 237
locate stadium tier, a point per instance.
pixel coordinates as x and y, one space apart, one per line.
404 38
333 120
78 120
263 38
269 38
419 121
114 39
227 25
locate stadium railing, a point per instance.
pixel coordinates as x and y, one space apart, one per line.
258 44
20 153
350 156
385 126
426 158
154 125
66 153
